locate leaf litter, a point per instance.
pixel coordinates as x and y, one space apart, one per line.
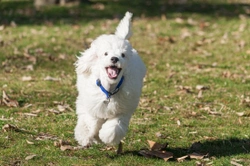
154 146
6 100
45 136
60 108
158 150
10 127
66 145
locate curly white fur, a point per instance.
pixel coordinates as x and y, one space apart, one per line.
109 58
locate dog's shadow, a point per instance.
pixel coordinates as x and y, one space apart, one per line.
214 148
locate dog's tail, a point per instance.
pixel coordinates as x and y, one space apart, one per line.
124 30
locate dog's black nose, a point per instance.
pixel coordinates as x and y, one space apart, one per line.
114 59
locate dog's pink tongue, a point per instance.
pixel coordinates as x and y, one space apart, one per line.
112 72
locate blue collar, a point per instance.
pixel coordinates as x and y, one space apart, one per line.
107 93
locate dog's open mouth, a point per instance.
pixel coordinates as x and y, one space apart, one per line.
113 71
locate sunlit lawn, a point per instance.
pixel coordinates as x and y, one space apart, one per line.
196 96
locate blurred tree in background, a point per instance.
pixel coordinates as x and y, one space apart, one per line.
39 3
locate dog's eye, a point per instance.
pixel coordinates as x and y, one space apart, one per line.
105 53
123 55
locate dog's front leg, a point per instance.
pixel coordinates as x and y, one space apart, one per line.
86 130
113 130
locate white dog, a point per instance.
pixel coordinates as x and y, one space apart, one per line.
109 81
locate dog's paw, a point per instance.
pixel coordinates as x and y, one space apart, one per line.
84 142
112 132
82 137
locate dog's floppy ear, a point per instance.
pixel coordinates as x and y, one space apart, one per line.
86 61
124 30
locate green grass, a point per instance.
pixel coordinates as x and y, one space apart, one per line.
199 43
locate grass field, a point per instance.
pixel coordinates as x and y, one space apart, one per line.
196 95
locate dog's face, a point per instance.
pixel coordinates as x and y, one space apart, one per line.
113 55
107 58
109 55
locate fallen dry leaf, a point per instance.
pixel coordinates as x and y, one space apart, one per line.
29 142
98 6
242 27
178 122
158 134
240 122
197 156
224 39
54 111
204 25
185 34
26 78
210 138
45 136
235 162
240 113
49 78
9 127
36 111
108 148
30 58
164 155
190 21
185 89
62 108
201 87
163 17
65 145
2 27
245 100
241 44
9 102
181 159
192 156
179 20
61 142
208 109
29 114
28 68
156 151
248 52
30 157
27 105
199 96
159 154
215 113
156 146
192 132
6 119
203 163
62 56
13 24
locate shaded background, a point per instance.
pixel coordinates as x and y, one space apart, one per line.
26 12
